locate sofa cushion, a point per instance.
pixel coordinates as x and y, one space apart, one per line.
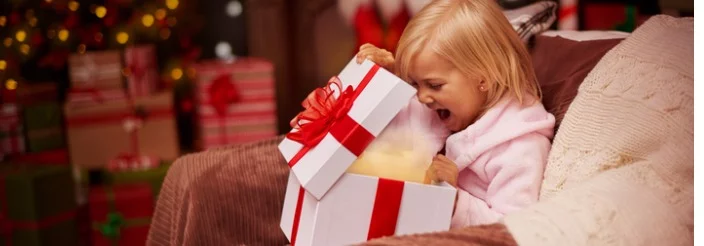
560 66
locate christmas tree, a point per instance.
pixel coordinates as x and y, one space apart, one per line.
38 35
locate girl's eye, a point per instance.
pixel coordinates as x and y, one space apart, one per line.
435 86
414 84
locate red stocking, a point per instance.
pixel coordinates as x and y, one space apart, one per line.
368 27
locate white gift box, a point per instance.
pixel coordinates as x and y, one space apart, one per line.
379 96
359 208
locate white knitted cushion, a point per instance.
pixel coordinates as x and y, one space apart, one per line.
621 168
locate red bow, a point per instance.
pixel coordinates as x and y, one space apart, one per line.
222 92
322 110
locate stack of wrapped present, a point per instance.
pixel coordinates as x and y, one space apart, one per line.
353 177
236 101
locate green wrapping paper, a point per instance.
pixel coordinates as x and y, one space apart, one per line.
44 126
37 204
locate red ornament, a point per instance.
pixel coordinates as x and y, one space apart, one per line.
14 18
71 21
37 38
56 59
187 106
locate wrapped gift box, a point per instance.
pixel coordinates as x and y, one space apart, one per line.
236 101
11 138
99 133
96 69
37 205
359 208
29 93
341 119
43 124
142 79
121 214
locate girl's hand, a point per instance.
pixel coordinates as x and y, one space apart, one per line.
381 57
442 169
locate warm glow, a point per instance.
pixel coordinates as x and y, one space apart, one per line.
11 84
165 33
63 34
122 37
3 64
20 35
98 36
160 14
176 73
101 11
24 48
81 48
148 20
3 20
73 5
172 21
7 42
33 21
172 4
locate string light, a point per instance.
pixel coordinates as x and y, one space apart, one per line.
3 64
165 33
176 73
73 5
172 21
98 36
148 20
3 20
33 21
29 14
81 48
63 34
48 1
191 72
172 4
7 42
101 11
24 48
160 14
21 35
122 37
11 84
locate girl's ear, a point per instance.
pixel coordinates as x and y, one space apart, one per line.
483 86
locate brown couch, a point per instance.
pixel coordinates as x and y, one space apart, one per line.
234 195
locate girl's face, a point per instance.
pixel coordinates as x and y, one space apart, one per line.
457 99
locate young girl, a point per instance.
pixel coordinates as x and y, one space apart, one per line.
475 78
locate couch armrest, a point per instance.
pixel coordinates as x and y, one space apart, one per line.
223 197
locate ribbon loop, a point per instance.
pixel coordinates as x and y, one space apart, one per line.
322 109
222 92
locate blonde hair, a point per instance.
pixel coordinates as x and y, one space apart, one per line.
476 37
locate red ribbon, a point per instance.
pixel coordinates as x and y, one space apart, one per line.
222 92
138 70
297 216
384 217
324 113
95 93
8 226
138 117
386 207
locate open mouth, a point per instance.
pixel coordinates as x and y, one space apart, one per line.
443 113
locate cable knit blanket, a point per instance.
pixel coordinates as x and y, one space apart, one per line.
621 168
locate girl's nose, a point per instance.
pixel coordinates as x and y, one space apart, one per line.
424 97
